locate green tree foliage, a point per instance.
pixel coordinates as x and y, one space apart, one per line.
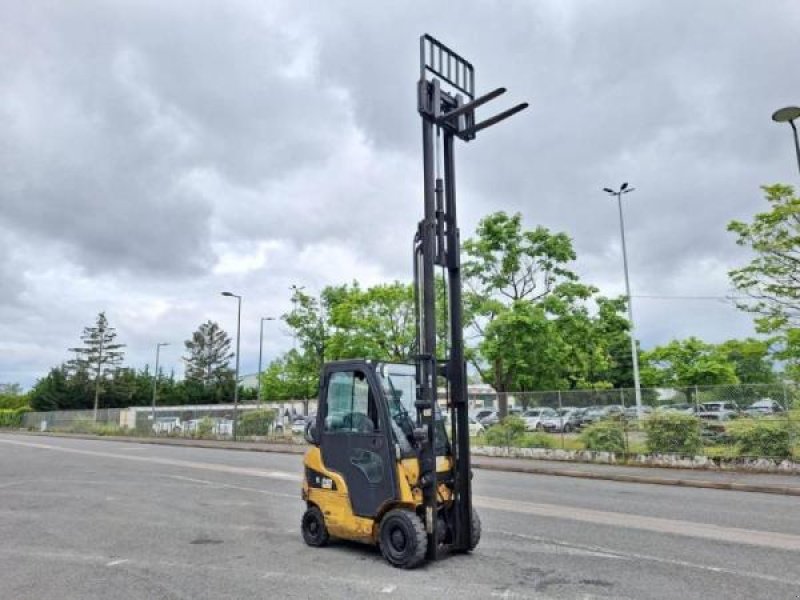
687 363
376 322
538 326
772 278
751 360
294 376
53 392
11 396
208 358
100 354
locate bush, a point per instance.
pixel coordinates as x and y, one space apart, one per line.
257 422
673 433
13 401
205 428
605 436
762 437
12 417
509 432
536 440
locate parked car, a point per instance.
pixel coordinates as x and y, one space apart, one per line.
481 414
599 413
167 425
715 425
631 413
765 406
567 419
299 425
492 418
534 418
688 409
718 411
475 428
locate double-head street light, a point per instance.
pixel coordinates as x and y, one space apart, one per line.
155 380
788 115
236 380
260 352
624 189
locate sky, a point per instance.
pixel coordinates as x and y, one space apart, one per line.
154 154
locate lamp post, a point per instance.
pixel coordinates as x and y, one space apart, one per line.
236 379
295 291
155 380
260 352
624 189
789 114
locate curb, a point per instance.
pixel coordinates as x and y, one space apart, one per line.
693 483
279 448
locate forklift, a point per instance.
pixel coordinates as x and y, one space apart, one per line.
381 468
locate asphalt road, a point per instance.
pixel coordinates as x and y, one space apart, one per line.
97 519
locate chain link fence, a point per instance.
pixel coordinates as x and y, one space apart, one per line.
727 421
712 421
257 422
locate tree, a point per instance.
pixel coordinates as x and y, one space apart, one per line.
11 396
209 356
751 360
524 349
521 294
374 323
291 377
686 364
52 391
99 356
772 278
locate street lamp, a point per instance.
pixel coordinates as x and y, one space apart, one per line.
260 352
624 189
789 114
155 380
295 291
236 381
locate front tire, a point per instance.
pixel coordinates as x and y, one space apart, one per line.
402 539
475 538
313 527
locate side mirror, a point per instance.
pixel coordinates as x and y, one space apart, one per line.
311 433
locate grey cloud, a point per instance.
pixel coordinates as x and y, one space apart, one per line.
140 138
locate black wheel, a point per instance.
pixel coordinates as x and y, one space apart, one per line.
313 526
567 428
476 531
402 538
539 427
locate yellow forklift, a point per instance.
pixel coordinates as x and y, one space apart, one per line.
381 468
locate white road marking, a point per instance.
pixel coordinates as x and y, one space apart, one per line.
281 475
120 561
768 539
388 589
752 537
601 552
232 487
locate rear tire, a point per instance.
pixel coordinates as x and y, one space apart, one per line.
475 538
402 539
313 527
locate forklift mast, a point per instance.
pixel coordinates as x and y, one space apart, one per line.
446 102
